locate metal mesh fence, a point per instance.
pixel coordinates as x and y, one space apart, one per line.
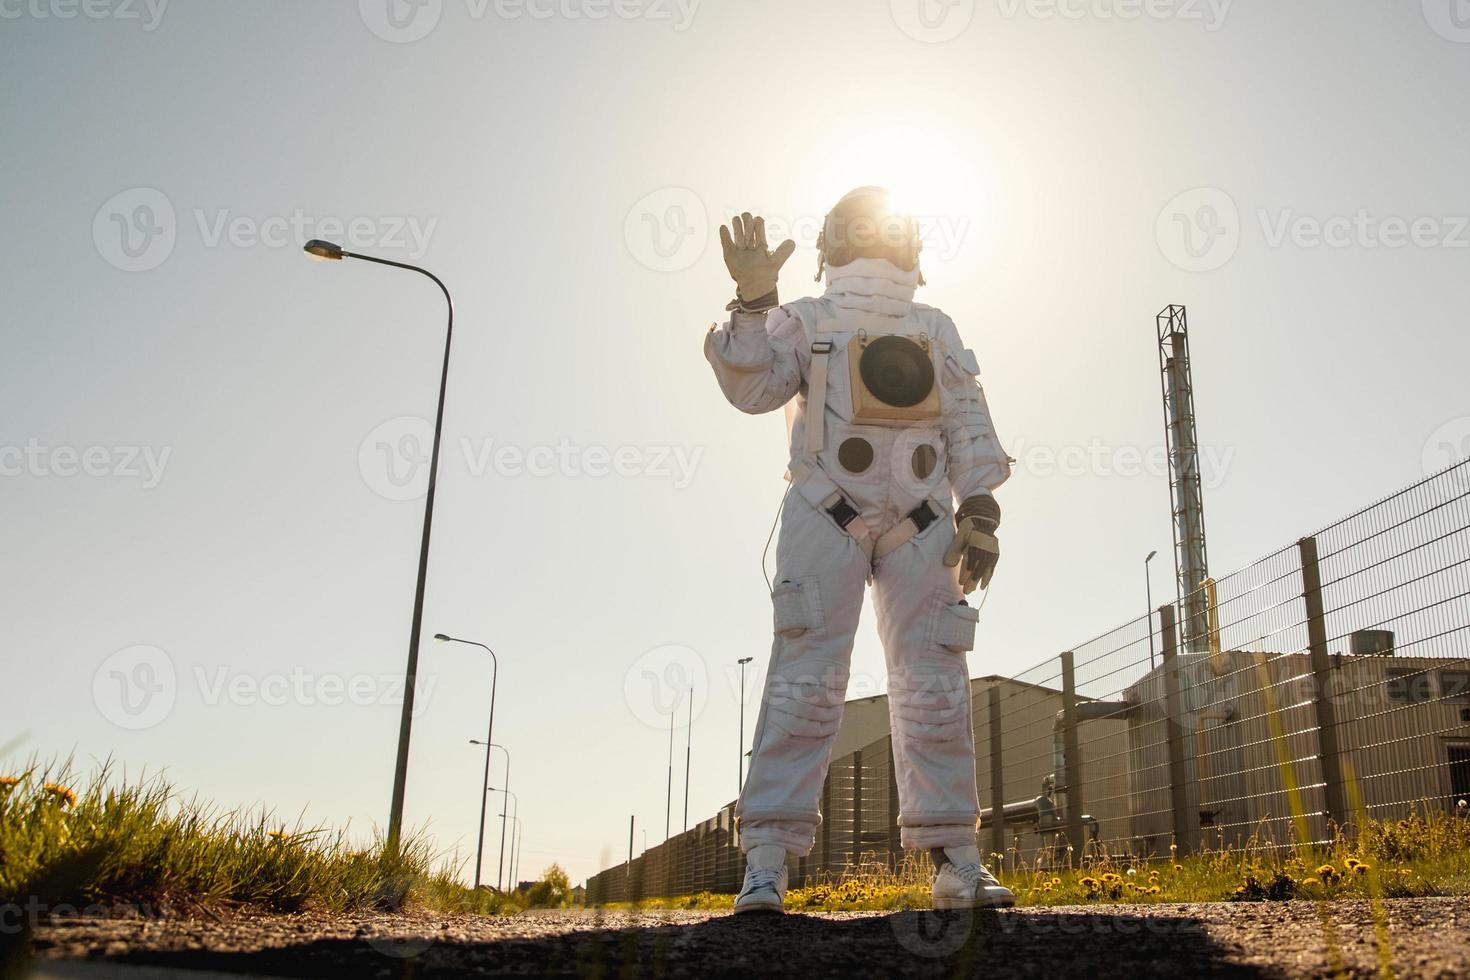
1330 684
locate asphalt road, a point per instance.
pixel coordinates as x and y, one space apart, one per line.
1424 938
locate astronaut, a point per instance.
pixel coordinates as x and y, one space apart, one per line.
893 463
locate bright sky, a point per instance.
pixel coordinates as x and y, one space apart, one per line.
206 438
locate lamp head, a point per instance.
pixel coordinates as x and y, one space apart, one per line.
323 250
442 637
1151 556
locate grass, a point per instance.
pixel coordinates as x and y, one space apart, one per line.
143 845
1425 854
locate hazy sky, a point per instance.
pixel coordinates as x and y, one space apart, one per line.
209 444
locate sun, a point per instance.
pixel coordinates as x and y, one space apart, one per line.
935 171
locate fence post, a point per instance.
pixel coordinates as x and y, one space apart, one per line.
826 825
895 838
1073 747
1328 750
857 806
1186 824
997 777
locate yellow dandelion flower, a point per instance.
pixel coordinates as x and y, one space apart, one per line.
1089 883
276 834
1326 871
1056 881
1178 867
1312 881
1154 889
9 782
61 793
1111 878
1361 868
1353 862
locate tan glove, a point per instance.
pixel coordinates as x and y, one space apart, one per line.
752 265
975 548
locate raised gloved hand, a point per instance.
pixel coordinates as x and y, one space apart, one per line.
752 265
975 549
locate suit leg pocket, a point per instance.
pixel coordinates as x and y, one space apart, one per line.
954 628
798 607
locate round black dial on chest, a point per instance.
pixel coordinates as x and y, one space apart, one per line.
897 371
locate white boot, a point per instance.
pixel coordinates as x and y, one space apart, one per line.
963 883
765 880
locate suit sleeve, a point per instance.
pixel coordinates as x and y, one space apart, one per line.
758 359
977 462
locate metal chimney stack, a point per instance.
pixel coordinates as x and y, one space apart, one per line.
1191 563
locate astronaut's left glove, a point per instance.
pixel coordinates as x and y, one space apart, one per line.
752 265
975 549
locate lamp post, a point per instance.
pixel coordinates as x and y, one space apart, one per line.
688 755
489 734
515 852
740 754
500 862
334 252
1148 584
516 800
669 795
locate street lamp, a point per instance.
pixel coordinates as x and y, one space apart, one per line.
489 734
1148 584
515 852
332 251
500 862
740 754
517 801
688 756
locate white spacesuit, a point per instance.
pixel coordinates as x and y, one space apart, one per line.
889 432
